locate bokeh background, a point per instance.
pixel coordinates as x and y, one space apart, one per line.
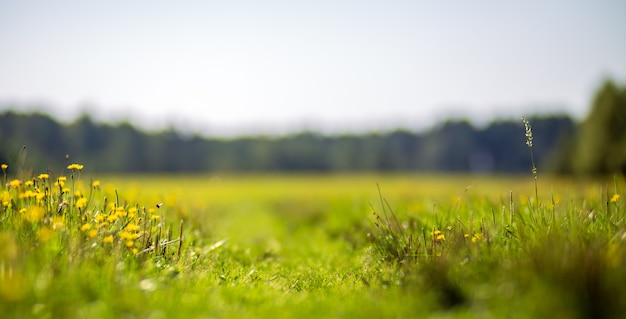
319 86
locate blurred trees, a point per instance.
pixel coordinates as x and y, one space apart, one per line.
452 146
600 147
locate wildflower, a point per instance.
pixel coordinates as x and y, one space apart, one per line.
58 223
92 233
95 184
107 239
85 227
15 183
438 236
125 235
34 214
615 198
81 202
130 244
132 227
43 176
27 194
477 237
75 166
4 167
29 183
60 181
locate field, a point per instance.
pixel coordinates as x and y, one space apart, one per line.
311 246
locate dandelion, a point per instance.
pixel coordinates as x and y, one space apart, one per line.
85 226
477 237
58 223
60 182
130 244
95 184
615 198
43 176
107 239
34 214
15 183
92 233
438 236
4 167
81 203
29 183
77 167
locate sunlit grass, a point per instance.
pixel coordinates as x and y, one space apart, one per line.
307 245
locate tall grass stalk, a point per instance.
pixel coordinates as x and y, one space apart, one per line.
529 142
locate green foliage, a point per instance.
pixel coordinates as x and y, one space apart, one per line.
601 144
309 246
454 146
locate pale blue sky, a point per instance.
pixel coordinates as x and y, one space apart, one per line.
233 67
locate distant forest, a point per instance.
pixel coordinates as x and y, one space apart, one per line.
597 145
453 146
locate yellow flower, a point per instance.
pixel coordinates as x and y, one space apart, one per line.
477 237
95 183
15 183
29 183
43 176
107 239
615 198
81 202
438 236
75 166
58 223
34 214
92 233
4 167
132 227
85 226
60 182
125 235
130 244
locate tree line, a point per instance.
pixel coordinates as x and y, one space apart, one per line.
596 145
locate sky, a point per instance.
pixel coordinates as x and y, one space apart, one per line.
273 67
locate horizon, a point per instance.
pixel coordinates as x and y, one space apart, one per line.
415 130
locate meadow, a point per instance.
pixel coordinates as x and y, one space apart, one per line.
311 246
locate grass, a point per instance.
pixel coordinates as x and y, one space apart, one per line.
310 246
